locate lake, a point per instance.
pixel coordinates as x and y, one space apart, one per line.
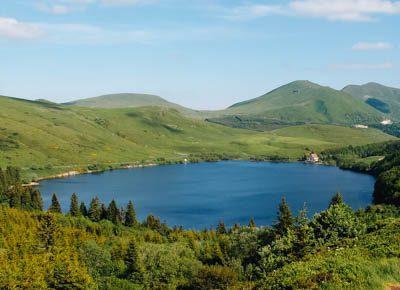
200 195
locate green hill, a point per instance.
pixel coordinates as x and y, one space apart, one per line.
130 100
302 102
122 101
45 138
385 99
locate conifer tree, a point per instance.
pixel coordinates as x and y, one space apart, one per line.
48 230
15 198
336 199
26 201
94 212
285 218
134 268
36 199
83 209
252 223
103 212
130 215
221 228
113 213
153 222
74 207
55 206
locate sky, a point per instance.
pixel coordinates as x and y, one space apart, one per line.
204 54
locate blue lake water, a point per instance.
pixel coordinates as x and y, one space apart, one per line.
199 195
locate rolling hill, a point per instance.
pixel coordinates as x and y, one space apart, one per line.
44 138
384 99
132 100
302 102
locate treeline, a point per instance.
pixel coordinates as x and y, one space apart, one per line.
393 129
333 249
9 177
14 194
385 166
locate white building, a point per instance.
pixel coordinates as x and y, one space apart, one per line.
359 126
387 122
313 158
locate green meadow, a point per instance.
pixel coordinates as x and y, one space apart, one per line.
45 138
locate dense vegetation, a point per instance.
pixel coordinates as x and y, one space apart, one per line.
392 129
381 159
105 247
379 105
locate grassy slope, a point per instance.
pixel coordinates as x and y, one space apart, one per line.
303 101
130 100
390 96
121 101
35 133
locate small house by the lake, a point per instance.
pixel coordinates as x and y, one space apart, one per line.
313 158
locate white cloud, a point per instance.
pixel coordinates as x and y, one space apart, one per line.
360 46
82 34
68 6
334 10
363 66
253 11
11 28
346 10
124 2
70 33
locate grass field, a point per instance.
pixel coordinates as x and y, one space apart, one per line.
48 138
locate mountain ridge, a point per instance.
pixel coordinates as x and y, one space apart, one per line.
298 102
379 94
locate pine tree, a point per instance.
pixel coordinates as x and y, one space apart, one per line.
83 210
48 230
55 206
252 223
113 213
94 212
15 198
36 199
74 207
103 212
130 215
153 222
221 228
336 199
285 219
304 233
26 201
134 268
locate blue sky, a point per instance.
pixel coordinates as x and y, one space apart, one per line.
203 54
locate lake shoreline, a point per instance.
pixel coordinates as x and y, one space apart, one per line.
201 193
71 173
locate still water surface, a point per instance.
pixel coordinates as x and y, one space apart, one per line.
199 195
